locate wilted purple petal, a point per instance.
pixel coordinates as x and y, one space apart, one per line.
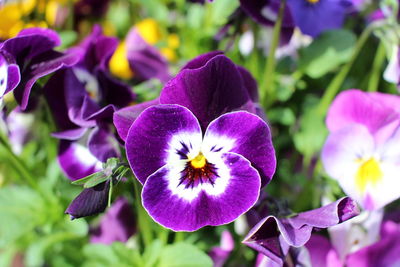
269 234
90 201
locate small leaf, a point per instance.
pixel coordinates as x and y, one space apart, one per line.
87 178
96 180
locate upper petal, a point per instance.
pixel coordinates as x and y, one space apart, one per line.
159 131
245 134
208 91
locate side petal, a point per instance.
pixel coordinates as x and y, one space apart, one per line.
151 137
124 118
102 144
187 209
76 161
249 136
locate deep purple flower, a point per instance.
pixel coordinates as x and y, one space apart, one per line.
311 16
191 177
26 58
117 224
220 254
273 237
209 85
266 12
362 150
316 16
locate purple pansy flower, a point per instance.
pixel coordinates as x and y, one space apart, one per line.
273 237
311 16
362 150
209 85
192 176
266 12
118 224
316 16
27 57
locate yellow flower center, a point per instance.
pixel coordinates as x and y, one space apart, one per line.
368 173
199 161
313 1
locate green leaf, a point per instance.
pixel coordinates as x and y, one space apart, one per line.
116 254
184 255
92 180
327 52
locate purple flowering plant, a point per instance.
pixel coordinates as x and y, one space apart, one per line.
199 133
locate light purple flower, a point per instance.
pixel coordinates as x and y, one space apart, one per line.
209 85
273 237
362 150
383 253
118 224
191 177
27 57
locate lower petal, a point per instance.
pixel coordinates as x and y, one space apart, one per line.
188 209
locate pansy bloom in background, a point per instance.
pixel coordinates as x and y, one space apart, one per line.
362 150
191 178
27 57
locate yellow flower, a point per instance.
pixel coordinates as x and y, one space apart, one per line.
149 30
119 65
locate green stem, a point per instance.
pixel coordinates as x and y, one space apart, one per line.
338 80
144 224
267 97
376 68
19 164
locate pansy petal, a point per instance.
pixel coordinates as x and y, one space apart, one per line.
124 118
245 134
48 63
385 252
117 224
355 106
102 144
315 18
342 155
13 77
187 209
209 91
154 133
322 252
76 161
90 201
201 60
271 233
71 134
